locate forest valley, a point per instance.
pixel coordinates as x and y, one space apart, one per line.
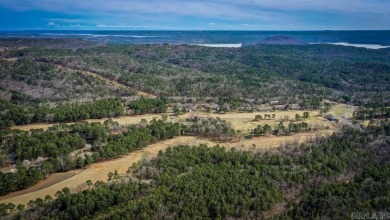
222 95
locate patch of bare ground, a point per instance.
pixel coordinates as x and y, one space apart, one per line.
11 59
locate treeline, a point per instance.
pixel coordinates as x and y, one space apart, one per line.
136 137
371 113
280 129
38 153
266 117
55 145
68 112
24 145
214 128
186 182
23 177
364 195
148 105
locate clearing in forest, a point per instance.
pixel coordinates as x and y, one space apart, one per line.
123 120
76 179
245 120
342 110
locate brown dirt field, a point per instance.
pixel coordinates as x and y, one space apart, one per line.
99 171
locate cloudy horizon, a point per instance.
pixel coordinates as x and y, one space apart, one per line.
195 15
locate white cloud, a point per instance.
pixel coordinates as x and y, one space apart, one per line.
243 13
202 8
121 26
51 23
346 6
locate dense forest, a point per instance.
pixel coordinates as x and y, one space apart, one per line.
220 79
63 112
59 81
332 178
147 105
287 73
372 113
44 82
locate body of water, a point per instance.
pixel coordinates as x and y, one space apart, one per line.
368 39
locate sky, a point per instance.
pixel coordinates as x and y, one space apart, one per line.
194 14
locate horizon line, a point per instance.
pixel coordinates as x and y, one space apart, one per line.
7 30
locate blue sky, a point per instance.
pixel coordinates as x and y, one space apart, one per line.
194 14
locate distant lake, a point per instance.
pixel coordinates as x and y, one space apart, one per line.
348 38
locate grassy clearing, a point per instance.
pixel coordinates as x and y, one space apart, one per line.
245 121
124 120
239 121
342 109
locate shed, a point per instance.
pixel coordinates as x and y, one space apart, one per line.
331 117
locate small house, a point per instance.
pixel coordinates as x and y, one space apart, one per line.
331 117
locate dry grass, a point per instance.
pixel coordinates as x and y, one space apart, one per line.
342 109
365 123
239 121
124 120
245 121
129 120
12 59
